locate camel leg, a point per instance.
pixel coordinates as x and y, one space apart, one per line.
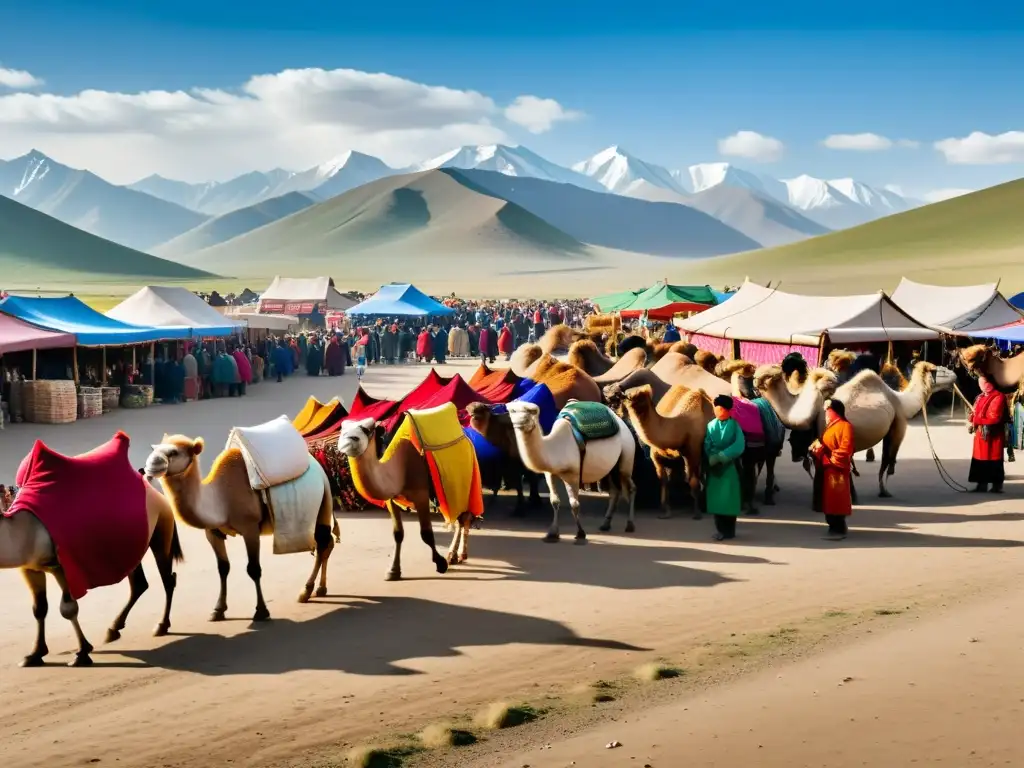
427 534
890 448
452 557
467 522
769 480
693 467
614 494
335 528
552 534
323 536
255 571
398 530
630 487
534 480
663 479
138 584
166 548
520 510
218 543
36 581
574 504
69 610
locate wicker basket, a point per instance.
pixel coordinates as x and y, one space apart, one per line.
50 402
133 396
90 402
111 396
148 390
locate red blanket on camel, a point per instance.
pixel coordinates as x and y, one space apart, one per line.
94 508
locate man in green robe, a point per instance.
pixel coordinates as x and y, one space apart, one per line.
723 446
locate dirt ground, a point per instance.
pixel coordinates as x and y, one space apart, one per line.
525 621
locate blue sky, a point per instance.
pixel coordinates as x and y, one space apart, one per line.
667 84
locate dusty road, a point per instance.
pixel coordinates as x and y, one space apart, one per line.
522 619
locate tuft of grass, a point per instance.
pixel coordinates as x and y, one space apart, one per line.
500 715
380 757
594 693
835 614
887 611
655 671
442 735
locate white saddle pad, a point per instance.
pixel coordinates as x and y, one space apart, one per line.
294 507
274 452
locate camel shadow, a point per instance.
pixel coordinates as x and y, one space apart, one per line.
602 562
362 636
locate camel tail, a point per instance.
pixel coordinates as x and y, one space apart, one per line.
177 555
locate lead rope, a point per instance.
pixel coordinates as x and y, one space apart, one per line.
947 478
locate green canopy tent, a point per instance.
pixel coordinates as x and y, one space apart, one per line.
613 302
661 301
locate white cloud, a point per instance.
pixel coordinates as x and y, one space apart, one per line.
18 79
984 149
538 115
938 195
908 143
866 142
294 119
752 146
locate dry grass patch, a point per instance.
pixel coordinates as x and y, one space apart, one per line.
380 757
655 671
500 715
443 735
594 693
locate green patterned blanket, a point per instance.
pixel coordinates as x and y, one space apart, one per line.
590 421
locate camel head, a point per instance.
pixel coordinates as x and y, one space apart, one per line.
839 360
355 437
640 400
826 382
614 397
976 358
479 416
174 455
525 416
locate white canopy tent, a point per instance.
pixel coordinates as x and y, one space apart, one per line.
963 310
298 296
769 323
251 317
166 307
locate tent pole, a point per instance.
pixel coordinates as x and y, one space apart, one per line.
103 377
152 363
74 364
888 354
821 350
33 365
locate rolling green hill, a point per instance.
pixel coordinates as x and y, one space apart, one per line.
38 250
971 239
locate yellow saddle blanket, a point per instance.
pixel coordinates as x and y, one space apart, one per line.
436 434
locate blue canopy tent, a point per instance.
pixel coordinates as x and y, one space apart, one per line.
90 328
400 300
1018 300
721 296
1006 335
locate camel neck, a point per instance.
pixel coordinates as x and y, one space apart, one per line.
532 449
204 504
655 429
380 480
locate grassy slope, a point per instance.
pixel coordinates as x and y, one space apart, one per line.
38 250
970 239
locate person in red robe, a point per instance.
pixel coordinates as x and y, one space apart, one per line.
987 423
505 344
833 455
424 347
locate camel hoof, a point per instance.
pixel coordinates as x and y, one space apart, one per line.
217 615
462 559
580 540
161 630
262 614
393 576
884 495
81 660
321 592
630 528
605 526
305 594
452 558
551 538
442 567
35 660
112 635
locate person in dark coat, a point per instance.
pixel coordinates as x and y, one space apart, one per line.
389 345
314 357
334 357
440 345
282 360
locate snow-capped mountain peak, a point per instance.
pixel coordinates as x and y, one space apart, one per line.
617 170
706 175
807 192
510 161
882 201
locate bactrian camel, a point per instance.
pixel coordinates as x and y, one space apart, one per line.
585 355
1005 374
224 503
26 544
497 429
673 369
557 455
405 474
673 428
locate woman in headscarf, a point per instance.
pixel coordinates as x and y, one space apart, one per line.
833 455
987 423
334 356
314 357
723 445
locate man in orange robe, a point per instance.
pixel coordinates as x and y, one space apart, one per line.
834 457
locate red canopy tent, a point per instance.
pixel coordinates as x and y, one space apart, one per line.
18 336
436 390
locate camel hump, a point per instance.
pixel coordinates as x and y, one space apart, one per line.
274 452
590 421
729 367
